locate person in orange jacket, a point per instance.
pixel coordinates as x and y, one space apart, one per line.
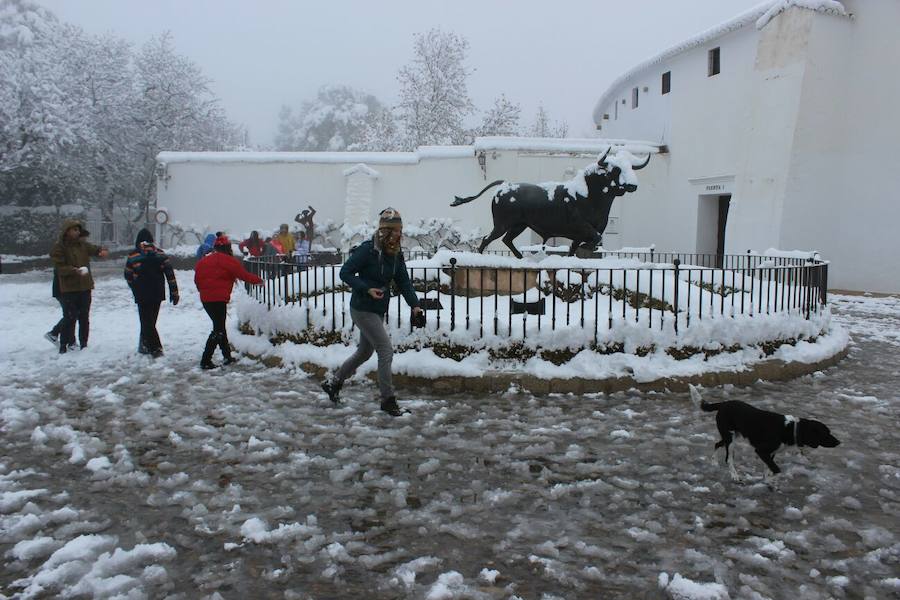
214 276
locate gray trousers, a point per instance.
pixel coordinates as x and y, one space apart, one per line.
372 338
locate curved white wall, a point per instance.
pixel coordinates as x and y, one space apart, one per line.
799 127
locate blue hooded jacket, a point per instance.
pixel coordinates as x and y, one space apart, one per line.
368 268
207 246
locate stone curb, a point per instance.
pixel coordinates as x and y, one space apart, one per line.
767 370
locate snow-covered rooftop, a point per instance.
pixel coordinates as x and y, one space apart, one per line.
760 15
592 145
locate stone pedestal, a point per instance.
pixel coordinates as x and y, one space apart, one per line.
483 281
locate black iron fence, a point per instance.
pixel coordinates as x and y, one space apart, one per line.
651 289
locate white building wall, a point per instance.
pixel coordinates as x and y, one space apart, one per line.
772 104
799 127
844 191
237 197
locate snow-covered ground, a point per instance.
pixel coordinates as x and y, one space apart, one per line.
126 476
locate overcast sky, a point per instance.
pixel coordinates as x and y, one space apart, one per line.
262 54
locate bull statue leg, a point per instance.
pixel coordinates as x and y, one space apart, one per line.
512 234
591 240
493 235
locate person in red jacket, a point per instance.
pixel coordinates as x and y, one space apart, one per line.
215 275
252 246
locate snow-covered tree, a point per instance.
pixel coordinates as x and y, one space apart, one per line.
333 121
381 133
543 127
284 136
501 119
174 109
43 122
82 117
434 97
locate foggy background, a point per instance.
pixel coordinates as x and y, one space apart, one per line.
262 55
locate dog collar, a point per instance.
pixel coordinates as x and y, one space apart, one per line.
789 419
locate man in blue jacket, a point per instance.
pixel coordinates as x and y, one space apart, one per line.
369 271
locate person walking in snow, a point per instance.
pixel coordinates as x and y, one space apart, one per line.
71 256
147 270
214 276
369 271
53 335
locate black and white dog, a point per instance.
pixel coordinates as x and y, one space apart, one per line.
766 431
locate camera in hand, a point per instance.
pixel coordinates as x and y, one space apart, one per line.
417 319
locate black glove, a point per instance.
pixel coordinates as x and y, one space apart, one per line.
173 298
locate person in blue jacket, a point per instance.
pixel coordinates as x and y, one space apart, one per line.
369 271
207 246
147 271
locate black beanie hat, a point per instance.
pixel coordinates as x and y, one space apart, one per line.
143 236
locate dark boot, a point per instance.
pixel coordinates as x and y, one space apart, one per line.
225 347
211 342
389 405
332 387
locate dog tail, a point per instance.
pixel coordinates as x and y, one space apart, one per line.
700 402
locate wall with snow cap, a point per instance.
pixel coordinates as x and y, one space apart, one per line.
241 191
799 128
844 178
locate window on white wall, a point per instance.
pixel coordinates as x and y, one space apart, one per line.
667 82
634 97
713 62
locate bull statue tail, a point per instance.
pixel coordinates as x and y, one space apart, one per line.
457 200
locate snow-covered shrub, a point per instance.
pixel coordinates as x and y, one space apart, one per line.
32 231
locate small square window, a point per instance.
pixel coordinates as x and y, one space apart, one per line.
634 97
713 62
667 82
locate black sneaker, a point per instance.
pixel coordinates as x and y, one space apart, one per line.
207 365
333 389
51 337
389 405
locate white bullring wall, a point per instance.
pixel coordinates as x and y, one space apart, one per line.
800 127
237 192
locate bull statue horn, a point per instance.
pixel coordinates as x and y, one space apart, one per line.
602 161
644 164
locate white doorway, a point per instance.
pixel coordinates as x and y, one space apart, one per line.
712 218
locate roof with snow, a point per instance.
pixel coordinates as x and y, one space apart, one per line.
761 15
585 145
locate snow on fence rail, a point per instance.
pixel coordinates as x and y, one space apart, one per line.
634 298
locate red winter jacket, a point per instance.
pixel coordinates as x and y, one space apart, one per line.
215 275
